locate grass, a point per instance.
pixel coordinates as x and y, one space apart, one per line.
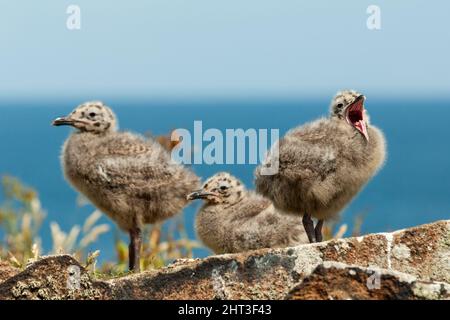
22 217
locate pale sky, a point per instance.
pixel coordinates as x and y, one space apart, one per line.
223 48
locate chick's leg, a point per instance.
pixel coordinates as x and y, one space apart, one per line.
308 224
134 249
318 230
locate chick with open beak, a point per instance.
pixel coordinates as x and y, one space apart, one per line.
349 106
325 163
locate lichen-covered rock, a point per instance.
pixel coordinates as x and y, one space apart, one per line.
422 252
253 275
338 281
53 277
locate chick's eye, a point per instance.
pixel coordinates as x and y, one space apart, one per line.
92 114
223 187
339 105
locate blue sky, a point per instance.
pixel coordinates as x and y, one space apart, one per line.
171 48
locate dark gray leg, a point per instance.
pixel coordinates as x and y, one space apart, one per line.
308 224
134 249
318 230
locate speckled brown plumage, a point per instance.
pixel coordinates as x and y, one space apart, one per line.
128 177
325 163
234 219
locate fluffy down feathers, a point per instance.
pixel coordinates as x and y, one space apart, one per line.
244 220
128 177
322 166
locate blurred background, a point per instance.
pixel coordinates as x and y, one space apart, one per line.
232 64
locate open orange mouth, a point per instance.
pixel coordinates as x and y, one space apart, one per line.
355 116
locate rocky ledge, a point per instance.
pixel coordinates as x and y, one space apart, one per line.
407 264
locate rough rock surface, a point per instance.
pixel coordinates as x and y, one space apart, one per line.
7 271
53 277
338 281
413 264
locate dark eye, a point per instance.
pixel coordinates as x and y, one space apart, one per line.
92 114
339 105
223 187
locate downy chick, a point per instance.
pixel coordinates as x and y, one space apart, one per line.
325 163
129 178
233 219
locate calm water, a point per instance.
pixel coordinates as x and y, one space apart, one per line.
413 188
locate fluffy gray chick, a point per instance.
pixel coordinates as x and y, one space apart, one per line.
325 163
233 219
129 178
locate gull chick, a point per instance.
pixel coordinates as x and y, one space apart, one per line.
325 163
233 219
129 178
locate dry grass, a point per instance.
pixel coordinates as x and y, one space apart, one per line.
21 218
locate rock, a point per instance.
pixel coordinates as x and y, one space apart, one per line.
422 251
338 281
53 277
414 264
7 271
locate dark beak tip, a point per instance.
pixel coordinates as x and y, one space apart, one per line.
195 195
191 196
61 121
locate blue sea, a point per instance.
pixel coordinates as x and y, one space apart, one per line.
413 188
